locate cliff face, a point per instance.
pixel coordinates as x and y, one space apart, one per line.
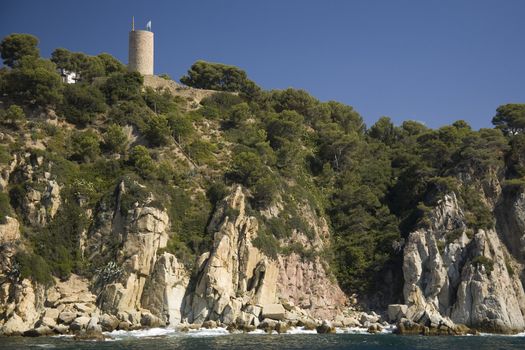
141 285
469 277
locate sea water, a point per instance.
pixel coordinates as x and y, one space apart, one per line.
297 338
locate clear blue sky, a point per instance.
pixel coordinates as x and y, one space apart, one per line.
434 61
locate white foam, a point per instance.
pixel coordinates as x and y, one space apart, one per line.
141 333
301 330
221 331
522 334
203 332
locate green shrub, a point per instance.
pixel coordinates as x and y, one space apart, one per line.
123 87
221 101
201 151
141 160
231 213
59 242
82 103
277 228
134 194
264 191
84 146
478 215
5 155
509 267
189 218
246 168
13 116
181 126
115 140
216 192
157 130
34 267
267 244
451 236
130 112
481 260
160 101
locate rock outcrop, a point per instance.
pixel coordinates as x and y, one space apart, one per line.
140 233
451 277
235 274
165 290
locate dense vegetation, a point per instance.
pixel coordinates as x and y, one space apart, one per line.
373 185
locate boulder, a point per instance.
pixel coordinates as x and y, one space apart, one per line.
67 317
89 335
254 310
39 331
149 320
350 322
274 311
61 329
325 328
370 318
80 323
51 313
282 327
93 325
84 308
209 324
288 305
124 326
47 321
307 324
375 328
268 325
109 322
396 312
409 327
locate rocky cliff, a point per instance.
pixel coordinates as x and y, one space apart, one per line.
472 277
140 285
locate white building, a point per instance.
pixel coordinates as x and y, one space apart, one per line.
68 77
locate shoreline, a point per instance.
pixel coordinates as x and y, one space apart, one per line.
202 332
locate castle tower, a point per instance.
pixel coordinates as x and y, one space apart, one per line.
140 57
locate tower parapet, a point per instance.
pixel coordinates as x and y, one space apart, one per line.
140 57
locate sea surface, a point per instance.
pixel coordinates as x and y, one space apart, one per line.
160 339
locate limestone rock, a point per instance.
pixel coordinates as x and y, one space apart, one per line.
444 286
79 323
273 311
149 320
67 317
39 331
165 291
325 328
142 231
396 312
234 267
209 324
9 231
109 322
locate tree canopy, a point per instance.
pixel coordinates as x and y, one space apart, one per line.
15 46
510 118
221 77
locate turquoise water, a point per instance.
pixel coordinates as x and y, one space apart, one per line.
210 340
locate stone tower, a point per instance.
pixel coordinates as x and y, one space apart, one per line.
140 57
